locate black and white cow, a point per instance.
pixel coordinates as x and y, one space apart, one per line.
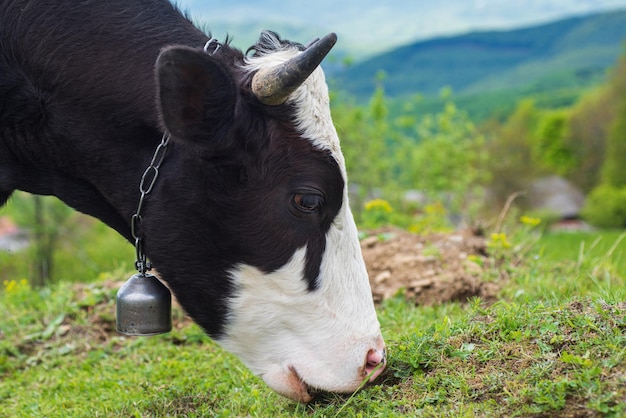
248 223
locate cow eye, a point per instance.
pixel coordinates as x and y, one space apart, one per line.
307 202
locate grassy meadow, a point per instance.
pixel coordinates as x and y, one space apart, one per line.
552 344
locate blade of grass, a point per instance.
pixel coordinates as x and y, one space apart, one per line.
363 383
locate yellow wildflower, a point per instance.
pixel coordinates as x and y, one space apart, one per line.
14 286
9 285
530 221
499 240
435 209
378 204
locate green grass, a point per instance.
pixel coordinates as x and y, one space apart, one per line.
554 344
92 248
585 246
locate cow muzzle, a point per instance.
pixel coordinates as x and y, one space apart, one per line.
293 381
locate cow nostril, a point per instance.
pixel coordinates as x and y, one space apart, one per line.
374 363
375 357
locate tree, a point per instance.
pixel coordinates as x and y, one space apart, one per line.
366 142
442 155
606 205
613 170
510 154
551 154
47 218
586 134
445 158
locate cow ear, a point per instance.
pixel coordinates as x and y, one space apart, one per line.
196 94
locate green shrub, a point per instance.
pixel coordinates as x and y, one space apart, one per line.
606 207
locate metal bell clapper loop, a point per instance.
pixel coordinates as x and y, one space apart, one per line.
144 306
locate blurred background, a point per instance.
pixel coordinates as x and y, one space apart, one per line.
448 112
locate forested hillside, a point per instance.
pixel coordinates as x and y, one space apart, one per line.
490 71
392 146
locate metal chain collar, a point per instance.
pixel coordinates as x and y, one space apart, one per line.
145 187
147 183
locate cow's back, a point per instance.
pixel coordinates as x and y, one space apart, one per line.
101 49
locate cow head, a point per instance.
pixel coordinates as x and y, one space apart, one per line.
276 275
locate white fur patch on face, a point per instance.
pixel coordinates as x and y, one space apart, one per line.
277 326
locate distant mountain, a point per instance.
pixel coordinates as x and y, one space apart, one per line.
564 55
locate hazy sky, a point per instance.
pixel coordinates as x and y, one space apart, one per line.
381 23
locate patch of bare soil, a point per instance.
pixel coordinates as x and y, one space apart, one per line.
430 269
97 322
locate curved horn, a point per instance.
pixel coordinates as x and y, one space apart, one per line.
272 86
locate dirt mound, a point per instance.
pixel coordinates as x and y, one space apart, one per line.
431 269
